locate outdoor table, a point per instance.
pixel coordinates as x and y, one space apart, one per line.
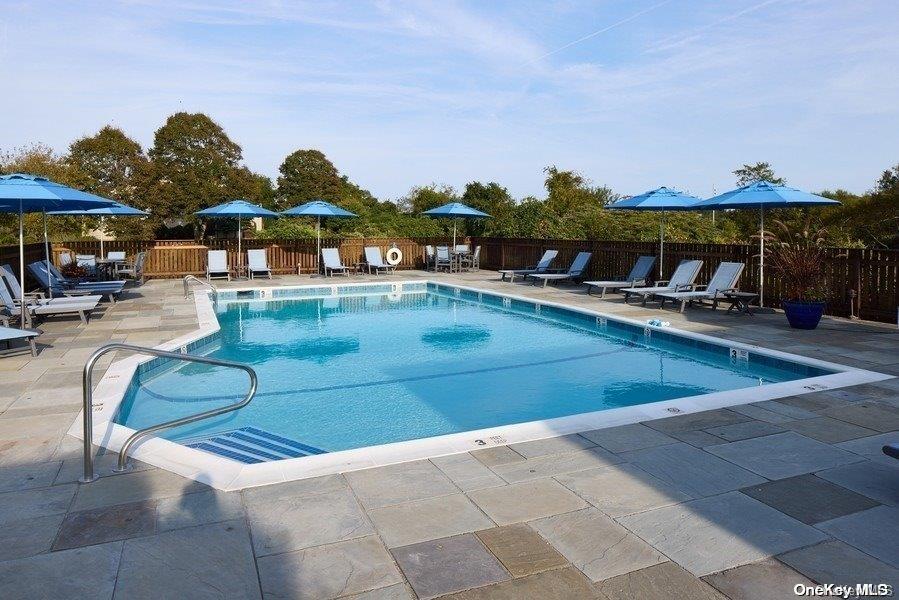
456 256
109 266
740 301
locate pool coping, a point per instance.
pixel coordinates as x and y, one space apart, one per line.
227 475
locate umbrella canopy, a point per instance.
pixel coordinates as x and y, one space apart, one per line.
239 209
318 209
22 193
661 199
454 210
762 195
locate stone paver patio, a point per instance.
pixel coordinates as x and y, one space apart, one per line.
731 503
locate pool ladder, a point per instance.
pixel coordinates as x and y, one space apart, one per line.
189 278
87 389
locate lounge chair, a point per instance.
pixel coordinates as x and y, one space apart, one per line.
374 260
135 270
217 265
56 284
8 276
540 267
724 279
8 334
891 450
636 278
682 279
575 271
331 262
11 309
257 263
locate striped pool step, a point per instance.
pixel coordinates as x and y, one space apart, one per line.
252 445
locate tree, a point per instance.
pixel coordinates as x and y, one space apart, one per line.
195 166
760 171
308 175
493 199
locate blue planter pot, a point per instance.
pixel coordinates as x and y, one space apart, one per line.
803 315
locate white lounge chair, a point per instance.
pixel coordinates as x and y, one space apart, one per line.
636 278
540 267
217 265
9 334
331 262
374 260
11 309
57 285
257 263
724 279
681 280
575 271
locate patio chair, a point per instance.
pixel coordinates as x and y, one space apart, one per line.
463 248
82 308
444 259
331 262
681 280
65 258
430 259
473 260
54 282
9 334
374 260
134 270
217 265
257 263
88 262
575 271
724 279
8 276
540 267
636 278
115 256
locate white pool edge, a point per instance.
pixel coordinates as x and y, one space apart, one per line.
228 475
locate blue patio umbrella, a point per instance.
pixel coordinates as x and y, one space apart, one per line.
661 199
456 210
318 209
239 209
115 210
23 193
762 195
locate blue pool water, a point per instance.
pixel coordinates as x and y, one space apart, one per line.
347 372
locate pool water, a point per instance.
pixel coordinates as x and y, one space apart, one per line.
347 372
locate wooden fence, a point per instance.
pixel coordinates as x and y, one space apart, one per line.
862 282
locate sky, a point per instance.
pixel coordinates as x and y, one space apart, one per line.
633 94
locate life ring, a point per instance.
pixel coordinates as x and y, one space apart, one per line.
394 256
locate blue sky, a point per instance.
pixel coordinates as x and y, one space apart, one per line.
632 93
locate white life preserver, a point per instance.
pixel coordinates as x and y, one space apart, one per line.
394 256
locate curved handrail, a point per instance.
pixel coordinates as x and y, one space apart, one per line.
189 278
87 389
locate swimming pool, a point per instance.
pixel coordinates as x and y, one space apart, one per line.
355 375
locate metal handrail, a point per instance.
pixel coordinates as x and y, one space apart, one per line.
87 389
189 278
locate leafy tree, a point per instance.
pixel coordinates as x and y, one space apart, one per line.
493 199
760 171
308 175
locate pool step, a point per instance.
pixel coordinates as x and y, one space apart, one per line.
252 445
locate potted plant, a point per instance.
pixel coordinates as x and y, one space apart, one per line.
798 258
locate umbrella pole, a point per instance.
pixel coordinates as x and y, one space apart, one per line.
102 230
318 245
454 234
46 253
22 308
662 245
239 252
761 256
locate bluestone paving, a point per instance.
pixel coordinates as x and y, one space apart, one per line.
691 470
621 489
520 549
871 447
873 531
597 545
329 571
209 561
782 455
744 431
107 524
721 532
871 415
67 575
36 409
399 483
553 445
838 562
448 565
423 520
809 499
767 579
666 581
526 501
